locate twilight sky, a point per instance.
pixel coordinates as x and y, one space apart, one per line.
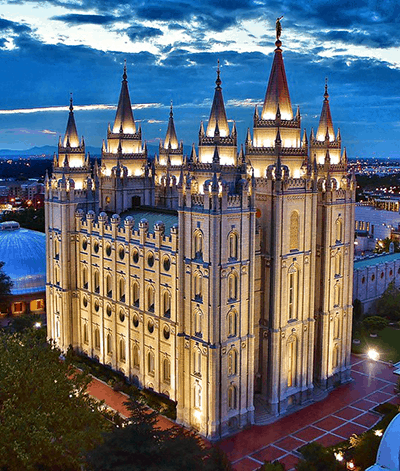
51 48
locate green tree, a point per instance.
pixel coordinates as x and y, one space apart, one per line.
29 218
140 445
374 324
364 449
5 281
317 458
388 305
47 419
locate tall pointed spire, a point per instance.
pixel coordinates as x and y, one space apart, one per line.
277 90
325 122
170 138
71 135
218 115
124 117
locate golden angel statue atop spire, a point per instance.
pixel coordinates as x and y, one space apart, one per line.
278 27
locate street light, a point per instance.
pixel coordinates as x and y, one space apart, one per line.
373 354
339 456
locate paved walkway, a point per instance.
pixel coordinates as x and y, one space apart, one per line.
345 411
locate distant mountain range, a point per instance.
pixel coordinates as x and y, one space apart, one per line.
43 151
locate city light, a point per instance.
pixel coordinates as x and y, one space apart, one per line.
37 325
378 433
351 465
373 354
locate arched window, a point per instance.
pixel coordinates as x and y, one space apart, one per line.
150 299
232 323
233 286
96 281
198 286
85 283
338 264
197 322
337 294
85 334
233 245
135 357
232 362
197 396
197 361
109 344
135 294
122 290
167 304
336 327
198 245
294 231
335 356
57 275
122 350
97 338
56 249
166 370
339 230
292 291
109 286
291 348
150 362
232 397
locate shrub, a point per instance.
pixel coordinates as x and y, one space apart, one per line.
374 324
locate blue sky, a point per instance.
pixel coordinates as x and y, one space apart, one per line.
51 48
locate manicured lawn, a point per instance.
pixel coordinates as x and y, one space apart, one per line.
387 343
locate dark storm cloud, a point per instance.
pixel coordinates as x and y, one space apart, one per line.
138 32
77 19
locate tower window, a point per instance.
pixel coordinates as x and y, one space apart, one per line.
109 344
232 397
135 357
335 356
97 338
122 290
96 279
167 304
109 286
233 245
135 294
197 396
232 362
198 286
232 323
197 361
197 322
233 286
292 292
198 245
291 361
122 350
166 370
339 230
150 362
294 231
150 299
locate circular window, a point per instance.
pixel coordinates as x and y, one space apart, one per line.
108 250
382 274
84 244
96 306
96 247
108 311
135 256
373 277
166 332
167 263
85 301
150 260
391 273
121 253
135 320
363 280
150 326
121 316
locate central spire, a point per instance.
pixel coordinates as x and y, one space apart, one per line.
71 138
325 127
124 118
170 138
277 91
218 119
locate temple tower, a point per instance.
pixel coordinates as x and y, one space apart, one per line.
70 188
215 307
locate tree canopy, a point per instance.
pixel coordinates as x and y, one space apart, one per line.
47 419
388 305
5 281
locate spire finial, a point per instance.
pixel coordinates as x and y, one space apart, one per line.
124 76
70 102
278 28
218 81
326 94
170 111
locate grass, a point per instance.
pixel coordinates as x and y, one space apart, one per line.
387 344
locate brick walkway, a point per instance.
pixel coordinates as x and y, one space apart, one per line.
345 411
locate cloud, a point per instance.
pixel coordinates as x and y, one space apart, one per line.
138 32
136 106
80 19
7 25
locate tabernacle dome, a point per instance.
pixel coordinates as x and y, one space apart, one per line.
23 252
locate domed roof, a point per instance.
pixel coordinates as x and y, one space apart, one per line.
24 255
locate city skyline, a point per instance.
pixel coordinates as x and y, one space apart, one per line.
52 48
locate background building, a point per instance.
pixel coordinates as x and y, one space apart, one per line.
234 289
